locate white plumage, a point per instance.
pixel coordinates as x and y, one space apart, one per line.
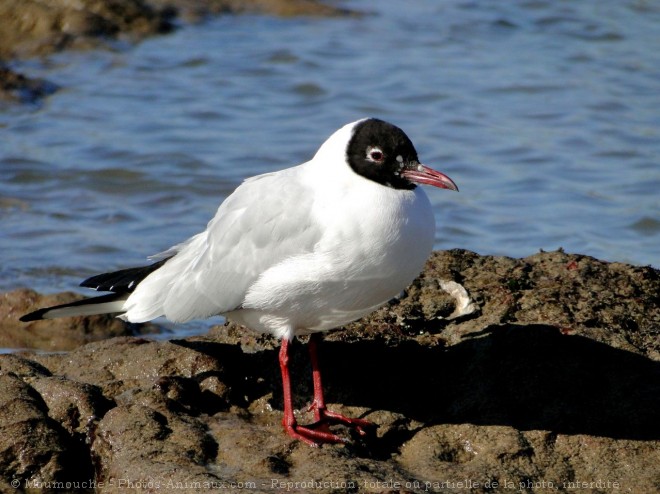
293 252
305 249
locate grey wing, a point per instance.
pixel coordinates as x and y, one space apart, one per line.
265 221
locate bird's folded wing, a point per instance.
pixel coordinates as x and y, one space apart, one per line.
265 221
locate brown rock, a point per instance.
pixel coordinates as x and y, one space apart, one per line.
193 10
33 447
551 384
471 458
32 27
75 406
16 87
140 447
55 334
36 28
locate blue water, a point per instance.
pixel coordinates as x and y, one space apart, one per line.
545 113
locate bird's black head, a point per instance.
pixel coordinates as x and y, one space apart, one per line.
382 152
379 151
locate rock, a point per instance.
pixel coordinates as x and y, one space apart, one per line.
33 446
56 334
494 458
72 404
32 27
549 384
36 28
138 445
19 88
193 10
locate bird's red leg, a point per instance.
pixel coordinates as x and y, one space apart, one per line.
306 434
322 415
319 400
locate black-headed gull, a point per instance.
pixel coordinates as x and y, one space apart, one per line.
294 252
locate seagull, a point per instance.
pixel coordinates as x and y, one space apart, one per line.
294 252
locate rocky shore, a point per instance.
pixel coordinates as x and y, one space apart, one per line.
33 28
552 382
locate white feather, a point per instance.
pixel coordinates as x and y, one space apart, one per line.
85 310
305 249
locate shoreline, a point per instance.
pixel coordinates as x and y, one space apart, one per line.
37 29
550 380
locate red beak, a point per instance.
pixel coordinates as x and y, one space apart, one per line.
421 174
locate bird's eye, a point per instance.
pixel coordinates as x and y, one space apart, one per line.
375 155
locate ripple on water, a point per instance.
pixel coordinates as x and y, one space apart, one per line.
543 112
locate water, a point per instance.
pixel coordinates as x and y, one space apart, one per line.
545 113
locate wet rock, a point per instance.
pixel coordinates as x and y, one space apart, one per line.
193 10
549 384
140 447
527 461
20 367
36 28
16 87
32 27
55 334
34 448
74 405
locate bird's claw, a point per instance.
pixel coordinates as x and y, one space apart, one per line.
312 436
318 432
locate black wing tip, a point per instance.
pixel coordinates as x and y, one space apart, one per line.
122 281
93 283
37 315
119 282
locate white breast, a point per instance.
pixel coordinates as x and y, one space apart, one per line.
305 249
375 241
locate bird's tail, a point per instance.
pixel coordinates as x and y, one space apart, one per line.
121 283
112 302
